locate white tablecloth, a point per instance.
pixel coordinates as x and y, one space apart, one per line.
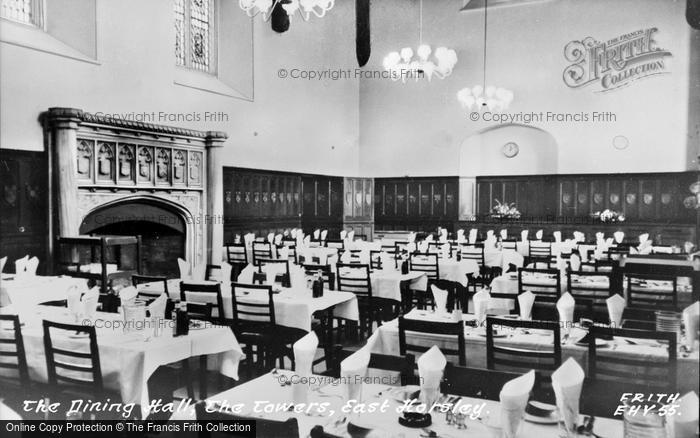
503 258
128 359
294 307
34 290
267 391
457 271
388 343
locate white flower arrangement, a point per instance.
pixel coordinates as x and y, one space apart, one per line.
505 210
608 215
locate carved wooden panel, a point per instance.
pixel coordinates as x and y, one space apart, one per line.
85 159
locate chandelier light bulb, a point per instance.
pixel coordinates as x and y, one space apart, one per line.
304 7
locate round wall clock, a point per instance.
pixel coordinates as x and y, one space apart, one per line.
510 149
620 142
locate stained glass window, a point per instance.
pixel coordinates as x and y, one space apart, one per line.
23 11
195 34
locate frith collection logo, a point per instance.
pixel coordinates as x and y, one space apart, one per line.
614 63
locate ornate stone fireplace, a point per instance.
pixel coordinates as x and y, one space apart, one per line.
123 177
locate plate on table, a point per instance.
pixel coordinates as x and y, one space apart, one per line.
541 413
402 393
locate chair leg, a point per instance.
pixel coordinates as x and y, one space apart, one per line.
202 377
188 377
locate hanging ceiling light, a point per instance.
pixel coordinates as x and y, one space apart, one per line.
305 7
403 65
482 97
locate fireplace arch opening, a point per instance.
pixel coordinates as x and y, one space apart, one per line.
163 229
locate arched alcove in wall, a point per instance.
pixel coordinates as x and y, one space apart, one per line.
535 152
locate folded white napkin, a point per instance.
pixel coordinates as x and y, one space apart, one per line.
352 370
688 247
565 307
440 297
73 301
431 366
619 236
481 304
343 234
324 234
691 318
525 301
32 265
185 270
411 247
2 263
157 307
307 241
579 236
127 294
490 242
460 235
643 238
445 250
472 235
523 235
504 234
645 250
430 238
317 234
21 267
199 272
351 235
685 422
249 239
538 234
514 396
609 242
616 306
599 237
278 240
283 253
567 382
271 237
346 257
90 301
304 352
575 262
423 246
557 236
489 233
246 275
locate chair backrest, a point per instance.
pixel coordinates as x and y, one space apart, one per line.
85 363
594 286
259 308
213 273
455 329
375 259
292 254
335 243
511 243
540 250
404 364
427 263
354 278
137 280
212 289
475 382
473 251
236 254
262 250
400 248
201 311
326 273
604 265
652 291
642 369
264 428
544 283
615 252
285 276
520 357
18 341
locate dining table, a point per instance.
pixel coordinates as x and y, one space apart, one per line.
253 400
386 341
36 289
128 357
294 306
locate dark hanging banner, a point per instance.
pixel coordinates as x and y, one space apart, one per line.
362 35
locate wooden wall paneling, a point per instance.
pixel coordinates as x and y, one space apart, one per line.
510 192
567 202
308 203
402 201
597 195
336 199
648 199
452 199
484 197
424 193
368 208
631 198
615 197
582 197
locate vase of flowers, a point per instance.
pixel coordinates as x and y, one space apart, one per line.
505 211
608 215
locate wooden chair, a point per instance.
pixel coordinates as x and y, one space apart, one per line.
510 243
284 277
475 251
213 289
595 291
213 273
522 358
455 329
429 265
606 365
253 322
375 260
638 295
18 341
262 250
604 265
137 280
530 279
355 278
404 365
540 252
236 254
475 382
263 428
616 252
292 254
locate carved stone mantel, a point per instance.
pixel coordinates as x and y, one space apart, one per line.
100 161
